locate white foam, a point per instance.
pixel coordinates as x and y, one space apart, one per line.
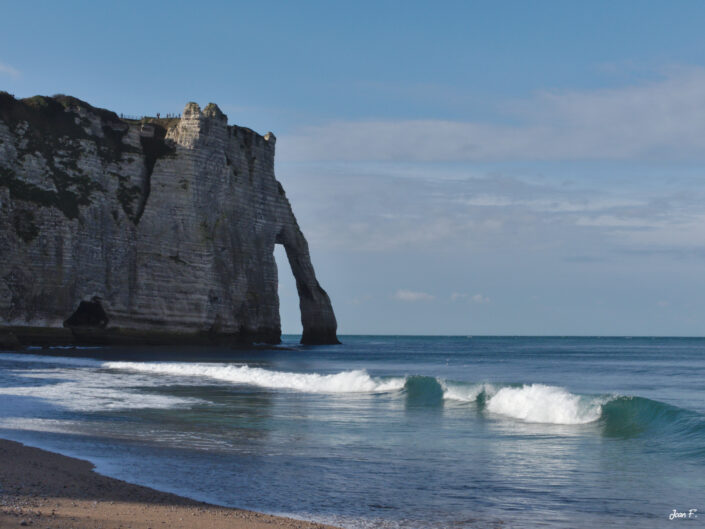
90 390
357 381
466 392
545 404
79 384
43 425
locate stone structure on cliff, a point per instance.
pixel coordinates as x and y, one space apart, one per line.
144 231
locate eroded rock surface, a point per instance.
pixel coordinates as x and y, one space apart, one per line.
149 231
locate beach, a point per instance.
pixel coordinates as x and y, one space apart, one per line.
47 490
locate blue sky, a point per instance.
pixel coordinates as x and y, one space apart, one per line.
458 168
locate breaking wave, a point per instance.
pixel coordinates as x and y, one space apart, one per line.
618 415
536 403
90 384
635 416
545 404
356 381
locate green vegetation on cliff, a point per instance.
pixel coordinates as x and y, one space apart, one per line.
53 129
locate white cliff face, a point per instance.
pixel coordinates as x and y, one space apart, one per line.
118 231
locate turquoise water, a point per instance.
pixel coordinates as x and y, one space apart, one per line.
388 431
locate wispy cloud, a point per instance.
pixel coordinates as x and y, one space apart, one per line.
9 70
399 198
662 119
358 300
387 212
412 296
476 298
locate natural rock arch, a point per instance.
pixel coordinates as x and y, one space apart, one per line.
317 317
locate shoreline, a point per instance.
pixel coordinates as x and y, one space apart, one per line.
44 489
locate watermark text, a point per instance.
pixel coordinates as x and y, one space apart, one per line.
678 515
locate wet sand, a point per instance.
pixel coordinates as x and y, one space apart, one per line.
46 490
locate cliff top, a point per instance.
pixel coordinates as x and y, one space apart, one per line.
51 111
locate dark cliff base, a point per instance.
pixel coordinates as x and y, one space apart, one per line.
320 337
20 337
17 337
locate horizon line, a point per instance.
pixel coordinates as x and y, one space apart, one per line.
627 336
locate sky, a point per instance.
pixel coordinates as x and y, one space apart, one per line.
472 168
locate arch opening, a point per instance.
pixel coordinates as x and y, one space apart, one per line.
289 308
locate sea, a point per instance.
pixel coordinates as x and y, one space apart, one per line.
387 431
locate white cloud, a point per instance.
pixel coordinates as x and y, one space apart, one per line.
9 70
613 221
479 298
663 119
557 205
682 231
411 296
456 296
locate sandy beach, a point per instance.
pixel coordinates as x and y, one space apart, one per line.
50 491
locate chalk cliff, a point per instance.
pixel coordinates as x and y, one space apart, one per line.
144 231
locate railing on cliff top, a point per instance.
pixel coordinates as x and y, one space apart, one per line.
133 117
